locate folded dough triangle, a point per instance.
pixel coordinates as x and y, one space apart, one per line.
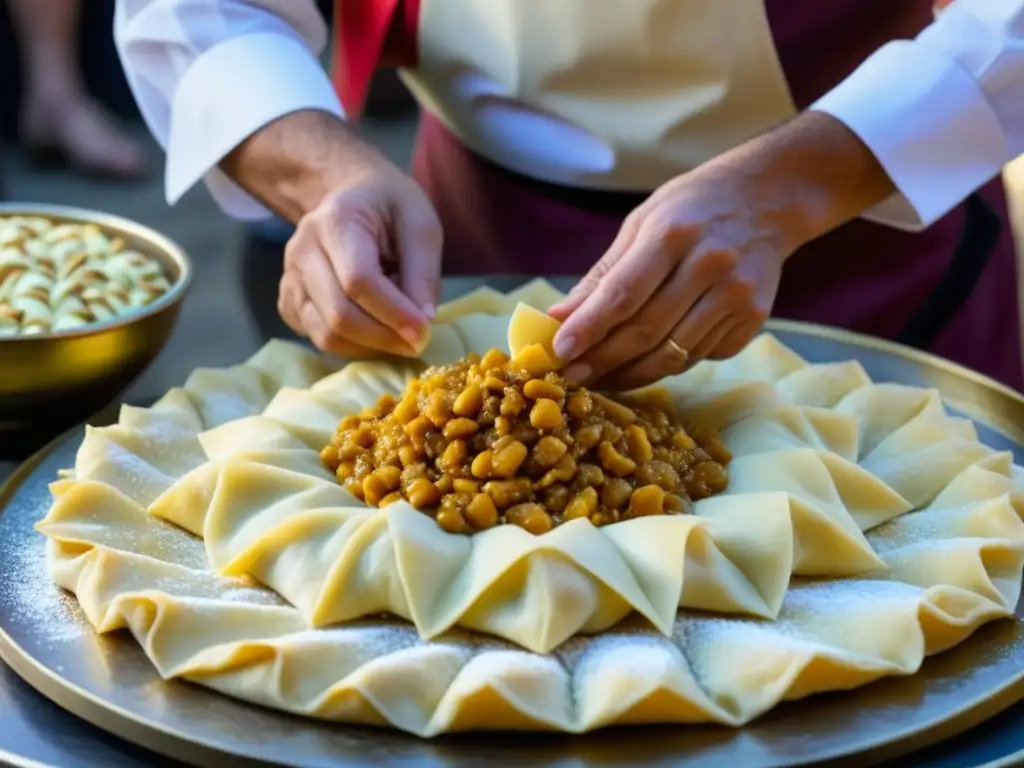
208 528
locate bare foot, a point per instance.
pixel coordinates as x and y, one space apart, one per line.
80 134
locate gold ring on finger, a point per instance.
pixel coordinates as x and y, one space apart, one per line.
679 355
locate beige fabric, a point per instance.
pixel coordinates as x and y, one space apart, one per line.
654 86
208 528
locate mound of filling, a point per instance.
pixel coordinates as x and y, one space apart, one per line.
488 441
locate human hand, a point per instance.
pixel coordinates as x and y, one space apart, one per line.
692 275
694 270
362 271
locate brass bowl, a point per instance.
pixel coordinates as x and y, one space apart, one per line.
49 382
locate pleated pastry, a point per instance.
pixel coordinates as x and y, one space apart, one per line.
863 529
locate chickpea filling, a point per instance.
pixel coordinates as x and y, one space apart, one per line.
488 441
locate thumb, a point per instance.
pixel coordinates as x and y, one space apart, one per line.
419 246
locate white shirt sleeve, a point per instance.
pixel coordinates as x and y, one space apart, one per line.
942 113
208 73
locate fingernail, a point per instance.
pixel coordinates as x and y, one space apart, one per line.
410 334
565 346
430 311
577 374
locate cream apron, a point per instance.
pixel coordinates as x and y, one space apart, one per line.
708 78
546 121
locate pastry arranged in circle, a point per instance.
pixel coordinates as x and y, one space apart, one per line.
267 531
61 276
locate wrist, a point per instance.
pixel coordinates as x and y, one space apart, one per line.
813 174
293 163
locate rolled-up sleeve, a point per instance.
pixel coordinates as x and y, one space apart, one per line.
206 75
943 113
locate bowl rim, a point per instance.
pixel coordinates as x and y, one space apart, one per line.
169 247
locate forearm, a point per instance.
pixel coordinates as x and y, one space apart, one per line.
294 162
221 72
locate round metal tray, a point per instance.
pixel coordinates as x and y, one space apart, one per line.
109 682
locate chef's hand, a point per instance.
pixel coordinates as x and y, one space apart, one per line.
694 270
692 274
362 271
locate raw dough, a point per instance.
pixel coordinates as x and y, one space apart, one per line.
863 529
529 325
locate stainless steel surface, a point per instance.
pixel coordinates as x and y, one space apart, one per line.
51 381
110 682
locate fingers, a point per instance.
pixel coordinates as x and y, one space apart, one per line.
733 342
579 293
623 240
338 322
691 308
290 298
700 332
692 330
317 328
343 319
301 315
645 331
354 256
420 243
709 341
626 287
662 361
334 262
717 335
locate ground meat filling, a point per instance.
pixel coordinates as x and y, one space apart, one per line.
487 441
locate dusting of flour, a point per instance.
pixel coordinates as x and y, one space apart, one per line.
32 599
29 600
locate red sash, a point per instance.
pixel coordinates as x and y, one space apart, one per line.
370 35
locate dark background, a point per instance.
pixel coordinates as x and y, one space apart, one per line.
99 62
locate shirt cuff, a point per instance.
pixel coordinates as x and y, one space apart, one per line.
928 123
228 93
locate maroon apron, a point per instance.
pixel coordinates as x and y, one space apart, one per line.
951 289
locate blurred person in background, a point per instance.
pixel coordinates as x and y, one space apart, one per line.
703 164
59 120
